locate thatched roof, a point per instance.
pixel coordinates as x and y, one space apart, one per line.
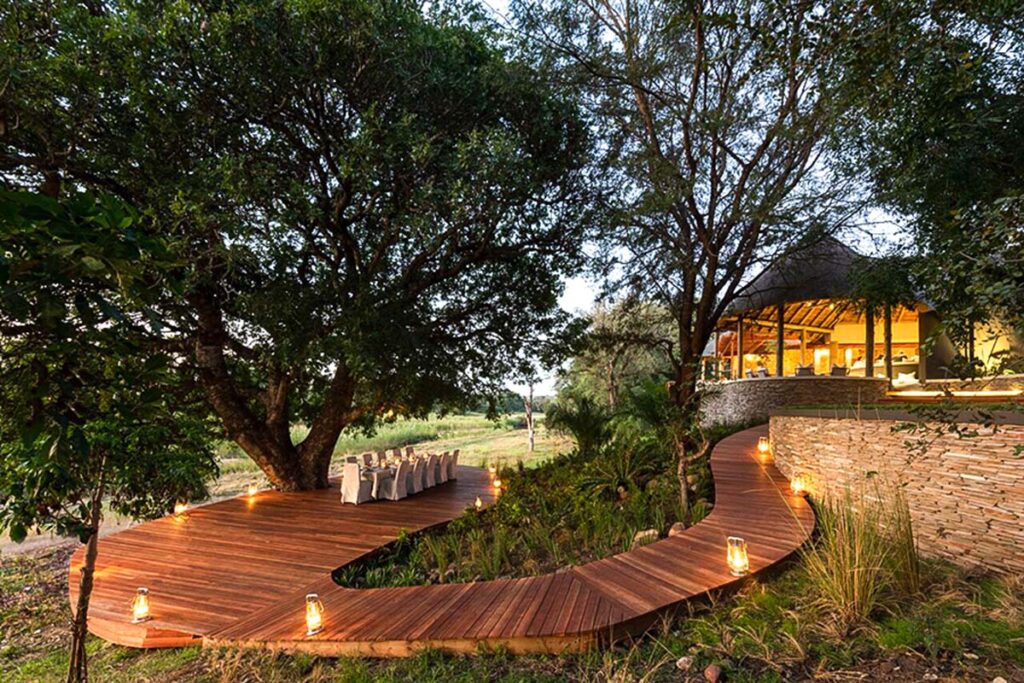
820 270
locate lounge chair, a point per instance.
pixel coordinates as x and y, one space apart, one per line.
840 371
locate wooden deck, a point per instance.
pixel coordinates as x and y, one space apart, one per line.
235 574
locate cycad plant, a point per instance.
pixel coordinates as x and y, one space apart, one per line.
628 461
583 419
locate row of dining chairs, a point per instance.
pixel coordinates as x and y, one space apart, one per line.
412 473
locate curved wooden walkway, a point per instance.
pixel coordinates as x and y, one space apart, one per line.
287 545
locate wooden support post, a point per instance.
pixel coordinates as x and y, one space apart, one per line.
803 347
922 362
869 342
780 337
887 332
739 348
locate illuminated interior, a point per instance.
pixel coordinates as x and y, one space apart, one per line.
801 317
820 334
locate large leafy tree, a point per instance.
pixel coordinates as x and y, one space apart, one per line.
936 129
714 118
93 419
626 346
376 202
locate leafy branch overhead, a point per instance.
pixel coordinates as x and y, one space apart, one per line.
376 204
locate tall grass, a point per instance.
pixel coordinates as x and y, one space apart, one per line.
906 562
865 553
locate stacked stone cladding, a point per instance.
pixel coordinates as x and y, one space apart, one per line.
752 400
965 489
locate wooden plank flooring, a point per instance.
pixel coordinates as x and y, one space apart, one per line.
235 573
221 563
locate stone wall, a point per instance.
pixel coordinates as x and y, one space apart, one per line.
751 400
966 495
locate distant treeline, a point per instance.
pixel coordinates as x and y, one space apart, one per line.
511 402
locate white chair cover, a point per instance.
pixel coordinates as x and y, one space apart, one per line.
430 475
396 453
368 459
352 458
453 464
415 483
382 458
442 467
397 488
410 452
354 488
381 479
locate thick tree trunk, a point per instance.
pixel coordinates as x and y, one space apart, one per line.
78 669
267 440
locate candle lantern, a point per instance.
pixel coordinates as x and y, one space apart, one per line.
140 606
764 447
478 504
739 564
253 488
180 507
492 469
497 483
799 484
314 614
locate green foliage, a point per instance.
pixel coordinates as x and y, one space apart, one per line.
883 281
714 119
864 553
90 408
936 128
625 347
581 417
627 462
545 519
375 214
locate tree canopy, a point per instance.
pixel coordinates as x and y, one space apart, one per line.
936 126
714 118
93 417
375 201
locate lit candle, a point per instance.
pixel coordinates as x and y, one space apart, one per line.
140 606
492 469
799 484
497 483
478 504
180 507
252 488
763 445
739 564
314 614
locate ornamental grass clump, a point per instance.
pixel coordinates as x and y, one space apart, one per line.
865 554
